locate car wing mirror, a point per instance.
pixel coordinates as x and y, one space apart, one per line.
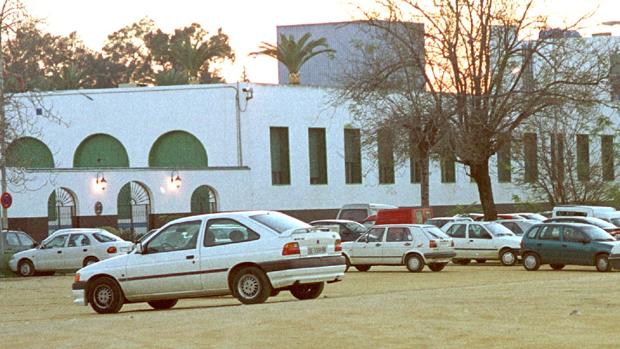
141 249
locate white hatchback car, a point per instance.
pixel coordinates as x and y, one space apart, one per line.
483 241
413 245
69 249
252 255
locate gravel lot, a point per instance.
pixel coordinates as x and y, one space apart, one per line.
387 307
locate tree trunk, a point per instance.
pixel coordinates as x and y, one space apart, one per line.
480 173
424 180
4 220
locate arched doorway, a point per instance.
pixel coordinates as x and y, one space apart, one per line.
61 209
204 200
134 208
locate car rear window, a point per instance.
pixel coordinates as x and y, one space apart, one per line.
104 238
279 222
498 230
435 233
437 222
357 215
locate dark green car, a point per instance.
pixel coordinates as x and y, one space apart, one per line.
560 244
11 242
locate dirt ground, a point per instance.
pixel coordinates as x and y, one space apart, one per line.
387 307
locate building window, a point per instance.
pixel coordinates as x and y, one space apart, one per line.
607 157
504 165
415 162
352 156
583 157
614 76
448 169
280 168
317 155
531 157
386 157
557 157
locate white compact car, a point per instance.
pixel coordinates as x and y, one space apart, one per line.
251 255
483 241
413 245
69 249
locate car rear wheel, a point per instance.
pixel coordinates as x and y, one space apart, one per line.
437 266
362 267
481 261
163 304
251 286
414 263
89 261
25 268
602 263
307 291
507 257
460 261
556 266
531 262
106 297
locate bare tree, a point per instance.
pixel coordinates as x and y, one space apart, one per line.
17 111
384 89
483 59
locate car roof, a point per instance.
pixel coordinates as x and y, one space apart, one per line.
517 220
343 221
404 225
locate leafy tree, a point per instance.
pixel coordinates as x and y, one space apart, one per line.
294 53
191 51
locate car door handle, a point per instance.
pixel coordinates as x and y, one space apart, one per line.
471 240
377 245
538 244
407 244
85 250
59 252
564 245
189 257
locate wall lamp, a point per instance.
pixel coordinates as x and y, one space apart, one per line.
101 182
176 180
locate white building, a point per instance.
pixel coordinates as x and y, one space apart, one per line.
148 136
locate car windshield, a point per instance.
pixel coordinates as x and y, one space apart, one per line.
106 237
534 216
598 234
497 229
279 222
437 222
436 233
616 221
356 227
357 215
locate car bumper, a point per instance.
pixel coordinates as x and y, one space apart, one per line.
614 259
79 293
13 265
439 257
305 270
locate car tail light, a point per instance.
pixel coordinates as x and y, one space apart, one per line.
338 247
290 248
111 249
76 277
432 244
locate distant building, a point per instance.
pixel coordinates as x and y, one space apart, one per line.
345 38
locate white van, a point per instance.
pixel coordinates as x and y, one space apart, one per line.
359 212
607 213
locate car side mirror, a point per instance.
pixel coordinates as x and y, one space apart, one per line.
141 249
34 245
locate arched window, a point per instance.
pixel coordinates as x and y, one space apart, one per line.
61 210
100 150
178 149
28 152
203 200
134 208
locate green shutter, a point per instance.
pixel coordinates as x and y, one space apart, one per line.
100 151
178 149
28 152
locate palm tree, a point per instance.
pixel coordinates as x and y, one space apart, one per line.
293 54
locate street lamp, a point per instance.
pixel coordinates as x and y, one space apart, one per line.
175 180
101 183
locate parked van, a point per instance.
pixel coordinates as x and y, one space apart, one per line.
359 212
607 213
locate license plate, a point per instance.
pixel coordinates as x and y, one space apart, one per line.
317 250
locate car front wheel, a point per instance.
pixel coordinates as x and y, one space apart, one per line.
414 263
307 291
508 257
25 268
163 304
602 263
531 262
556 266
89 261
362 267
106 297
251 286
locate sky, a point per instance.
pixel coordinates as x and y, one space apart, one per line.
250 22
